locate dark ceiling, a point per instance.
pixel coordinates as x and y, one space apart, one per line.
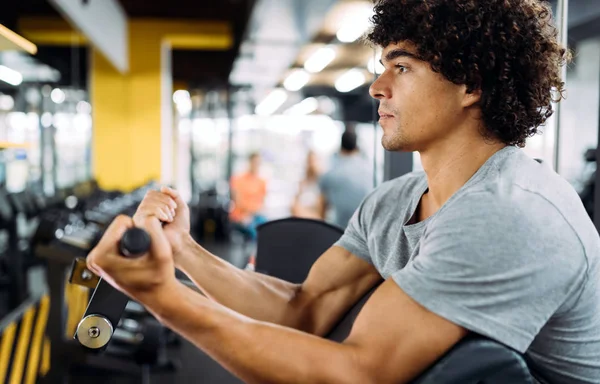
197 68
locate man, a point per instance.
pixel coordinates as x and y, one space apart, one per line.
347 183
485 241
248 191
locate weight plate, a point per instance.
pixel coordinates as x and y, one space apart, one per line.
94 331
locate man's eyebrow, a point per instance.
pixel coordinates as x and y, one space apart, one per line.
396 53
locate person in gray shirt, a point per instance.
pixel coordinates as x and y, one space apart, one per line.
486 241
511 256
348 182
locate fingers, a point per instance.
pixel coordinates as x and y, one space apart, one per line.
164 198
173 194
156 204
100 257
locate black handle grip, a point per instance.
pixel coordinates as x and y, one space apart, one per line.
106 307
134 243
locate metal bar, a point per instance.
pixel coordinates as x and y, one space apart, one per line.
230 140
597 181
397 164
375 103
107 302
562 9
193 114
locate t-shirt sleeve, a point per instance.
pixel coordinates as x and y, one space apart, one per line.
355 239
497 269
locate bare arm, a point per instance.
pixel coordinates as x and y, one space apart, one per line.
393 340
380 348
336 281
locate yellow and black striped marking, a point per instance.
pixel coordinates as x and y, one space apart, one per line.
24 349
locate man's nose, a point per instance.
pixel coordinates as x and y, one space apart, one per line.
378 90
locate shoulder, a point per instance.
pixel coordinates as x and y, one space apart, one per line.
511 204
513 224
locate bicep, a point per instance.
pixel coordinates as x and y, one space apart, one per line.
336 281
396 339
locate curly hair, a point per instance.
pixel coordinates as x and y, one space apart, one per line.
507 49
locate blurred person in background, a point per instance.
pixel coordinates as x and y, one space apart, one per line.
307 203
347 183
248 192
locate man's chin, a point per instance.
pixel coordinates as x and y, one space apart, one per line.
398 147
392 145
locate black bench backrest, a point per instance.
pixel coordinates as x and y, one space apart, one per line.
288 248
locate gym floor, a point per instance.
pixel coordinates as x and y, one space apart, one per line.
193 365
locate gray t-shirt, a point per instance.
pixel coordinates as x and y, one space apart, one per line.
512 256
346 185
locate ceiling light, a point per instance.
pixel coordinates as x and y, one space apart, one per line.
7 103
352 31
296 80
320 59
83 107
57 95
271 103
375 66
10 76
183 102
181 96
47 119
355 23
350 80
305 107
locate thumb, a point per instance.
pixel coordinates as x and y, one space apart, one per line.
159 244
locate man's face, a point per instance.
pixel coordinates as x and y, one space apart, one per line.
417 106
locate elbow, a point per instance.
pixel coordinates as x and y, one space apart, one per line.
359 373
367 366
297 314
303 312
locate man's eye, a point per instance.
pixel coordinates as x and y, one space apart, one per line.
402 68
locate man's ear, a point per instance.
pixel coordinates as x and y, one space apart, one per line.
471 96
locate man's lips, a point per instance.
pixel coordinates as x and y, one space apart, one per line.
385 115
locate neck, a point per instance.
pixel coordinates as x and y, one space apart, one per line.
451 164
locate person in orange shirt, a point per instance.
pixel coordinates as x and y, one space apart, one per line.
248 191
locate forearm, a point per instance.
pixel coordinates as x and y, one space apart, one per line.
256 352
255 295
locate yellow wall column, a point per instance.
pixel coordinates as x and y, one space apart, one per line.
128 110
111 140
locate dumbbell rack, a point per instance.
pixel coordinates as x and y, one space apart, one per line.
67 352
